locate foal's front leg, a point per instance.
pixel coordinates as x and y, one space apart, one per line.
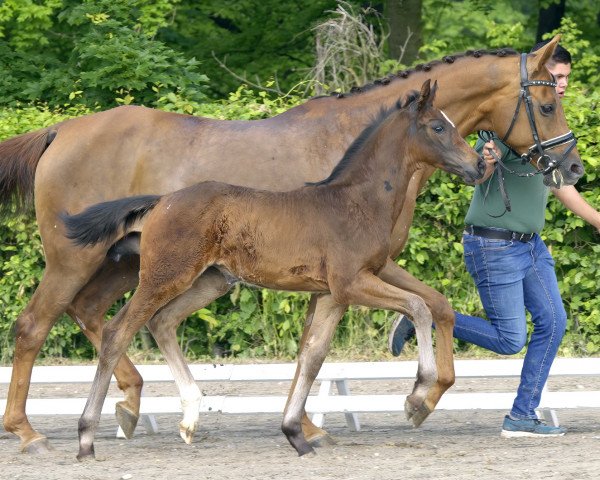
443 315
371 291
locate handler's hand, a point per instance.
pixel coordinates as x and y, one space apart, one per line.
490 161
487 156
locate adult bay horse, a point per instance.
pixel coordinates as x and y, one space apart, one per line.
331 237
134 150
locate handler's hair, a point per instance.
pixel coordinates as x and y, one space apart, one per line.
560 55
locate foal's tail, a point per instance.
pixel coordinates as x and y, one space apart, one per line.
19 158
108 220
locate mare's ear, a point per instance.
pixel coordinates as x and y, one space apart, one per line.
540 57
427 95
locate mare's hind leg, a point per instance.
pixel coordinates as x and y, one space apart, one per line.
443 316
163 326
88 309
315 347
61 281
319 310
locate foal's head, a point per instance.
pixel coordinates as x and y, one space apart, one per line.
433 138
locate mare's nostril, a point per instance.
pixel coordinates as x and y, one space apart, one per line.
577 169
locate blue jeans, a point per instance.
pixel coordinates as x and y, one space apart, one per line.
513 276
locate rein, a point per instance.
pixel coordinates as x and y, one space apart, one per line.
544 164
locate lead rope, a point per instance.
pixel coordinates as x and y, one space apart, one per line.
499 173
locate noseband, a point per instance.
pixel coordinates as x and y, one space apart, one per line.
544 164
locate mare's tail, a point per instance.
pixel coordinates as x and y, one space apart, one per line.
108 220
19 158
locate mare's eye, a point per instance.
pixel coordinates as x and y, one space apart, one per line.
438 129
547 109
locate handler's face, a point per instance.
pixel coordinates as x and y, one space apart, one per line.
561 72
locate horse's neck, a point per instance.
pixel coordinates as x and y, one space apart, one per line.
466 90
378 175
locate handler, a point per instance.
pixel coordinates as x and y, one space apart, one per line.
514 271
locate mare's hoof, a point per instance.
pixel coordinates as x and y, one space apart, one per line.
126 419
39 446
187 433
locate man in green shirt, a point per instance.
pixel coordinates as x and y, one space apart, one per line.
514 271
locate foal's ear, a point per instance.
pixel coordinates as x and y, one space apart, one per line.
540 57
410 97
427 95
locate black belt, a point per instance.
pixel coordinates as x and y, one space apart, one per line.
498 233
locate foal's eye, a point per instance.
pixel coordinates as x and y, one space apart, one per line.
547 109
438 129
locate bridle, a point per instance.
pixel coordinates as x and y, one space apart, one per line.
544 164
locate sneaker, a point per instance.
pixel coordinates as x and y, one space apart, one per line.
529 428
402 331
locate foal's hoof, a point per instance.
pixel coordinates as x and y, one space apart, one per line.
85 458
126 419
311 454
321 441
417 414
187 433
86 455
39 446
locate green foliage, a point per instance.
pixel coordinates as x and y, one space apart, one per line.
90 55
106 55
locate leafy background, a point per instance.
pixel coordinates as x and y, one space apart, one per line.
65 58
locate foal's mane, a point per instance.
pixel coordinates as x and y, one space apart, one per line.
423 67
357 145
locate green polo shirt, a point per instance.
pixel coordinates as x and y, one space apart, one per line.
528 197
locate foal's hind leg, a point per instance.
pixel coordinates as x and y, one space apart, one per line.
315 347
88 309
151 295
443 316
163 326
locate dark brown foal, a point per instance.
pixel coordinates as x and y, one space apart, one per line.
262 238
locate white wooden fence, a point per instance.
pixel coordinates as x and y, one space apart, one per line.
338 374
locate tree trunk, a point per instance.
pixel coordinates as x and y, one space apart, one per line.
549 19
404 19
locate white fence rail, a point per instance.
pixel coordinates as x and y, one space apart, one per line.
338 374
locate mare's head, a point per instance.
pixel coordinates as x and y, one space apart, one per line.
434 140
531 120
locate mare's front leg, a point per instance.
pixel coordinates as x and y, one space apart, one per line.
315 343
88 309
163 326
443 316
374 291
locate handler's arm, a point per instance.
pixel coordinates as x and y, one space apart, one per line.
572 199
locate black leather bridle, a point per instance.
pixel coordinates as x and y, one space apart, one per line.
544 164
